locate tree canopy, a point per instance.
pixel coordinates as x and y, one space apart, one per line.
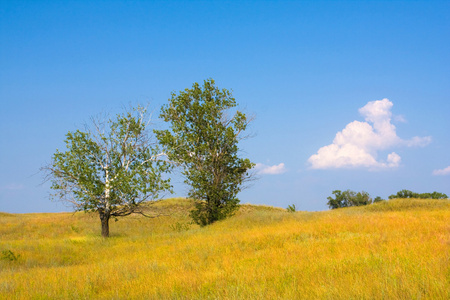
348 198
410 194
203 139
111 167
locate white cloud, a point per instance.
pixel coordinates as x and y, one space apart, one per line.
400 119
270 170
445 171
358 143
418 141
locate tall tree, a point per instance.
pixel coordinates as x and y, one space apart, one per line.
203 139
111 168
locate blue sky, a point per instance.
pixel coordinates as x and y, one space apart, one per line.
314 73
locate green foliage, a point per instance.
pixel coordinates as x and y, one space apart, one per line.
9 255
110 168
348 198
291 208
378 199
408 194
203 140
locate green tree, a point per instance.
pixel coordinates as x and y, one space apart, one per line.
348 198
409 194
377 199
436 195
404 194
111 168
338 201
203 139
360 198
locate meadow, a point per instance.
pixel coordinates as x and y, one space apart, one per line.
396 249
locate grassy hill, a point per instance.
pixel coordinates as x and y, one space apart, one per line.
399 249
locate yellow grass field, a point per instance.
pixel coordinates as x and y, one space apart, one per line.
398 249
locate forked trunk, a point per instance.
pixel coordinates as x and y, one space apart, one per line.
104 218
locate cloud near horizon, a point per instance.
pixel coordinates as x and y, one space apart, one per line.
270 170
357 145
442 172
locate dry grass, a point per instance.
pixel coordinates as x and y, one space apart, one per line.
391 250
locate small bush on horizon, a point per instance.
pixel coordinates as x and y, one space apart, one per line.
291 208
409 194
377 199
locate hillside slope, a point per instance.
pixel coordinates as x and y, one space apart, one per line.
398 249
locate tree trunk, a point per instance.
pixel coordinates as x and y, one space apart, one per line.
104 218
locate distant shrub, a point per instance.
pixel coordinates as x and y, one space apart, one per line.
409 194
291 208
377 199
348 198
